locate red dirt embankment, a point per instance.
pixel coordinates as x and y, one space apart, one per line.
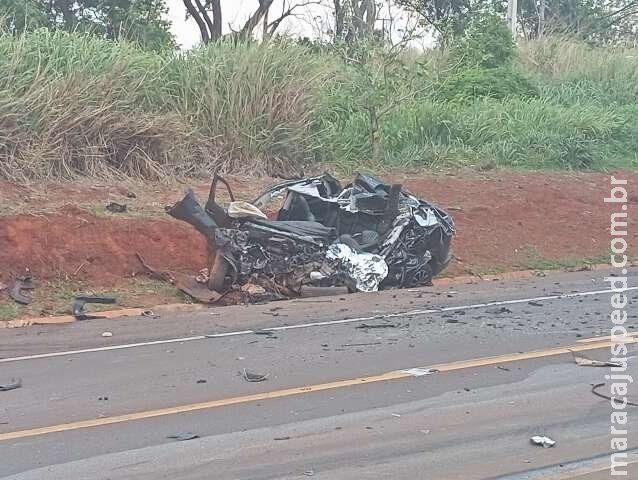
505 220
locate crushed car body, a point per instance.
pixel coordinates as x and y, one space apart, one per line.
366 236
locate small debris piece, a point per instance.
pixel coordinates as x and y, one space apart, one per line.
102 398
360 344
377 325
253 289
117 207
263 332
542 441
534 304
202 276
149 313
181 437
81 300
201 381
309 473
253 377
107 334
396 415
195 290
12 385
19 284
282 438
131 195
505 369
420 372
588 362
498 311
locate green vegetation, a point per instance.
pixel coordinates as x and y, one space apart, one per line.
73 104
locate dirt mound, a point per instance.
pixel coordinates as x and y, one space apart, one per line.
75 245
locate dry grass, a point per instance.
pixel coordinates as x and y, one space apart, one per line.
75 105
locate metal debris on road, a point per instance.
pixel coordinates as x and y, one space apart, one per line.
82 300
117 207
180 437
420 371
588 362
365 326
253 377
12 385
542 441
367 236
498 311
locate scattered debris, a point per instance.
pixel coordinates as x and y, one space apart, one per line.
587 362
12 385
195 290
202 276
117 207
16 290
264 332
594 390
542 441
81 300
102 398
365 326
253 377
181 437
367 236
420 371
107 334
498 311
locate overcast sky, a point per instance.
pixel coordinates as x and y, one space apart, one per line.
235 13
310 20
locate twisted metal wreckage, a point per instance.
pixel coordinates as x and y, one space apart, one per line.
367 236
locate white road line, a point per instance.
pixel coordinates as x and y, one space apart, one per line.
314 324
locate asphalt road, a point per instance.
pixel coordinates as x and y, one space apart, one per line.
348 393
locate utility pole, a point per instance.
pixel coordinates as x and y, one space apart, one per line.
512 9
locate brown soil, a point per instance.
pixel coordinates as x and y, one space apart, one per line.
505 221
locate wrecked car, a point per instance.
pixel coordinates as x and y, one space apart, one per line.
366 236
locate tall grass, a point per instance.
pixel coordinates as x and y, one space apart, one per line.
75 105
78 105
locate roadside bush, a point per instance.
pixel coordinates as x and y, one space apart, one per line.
498 83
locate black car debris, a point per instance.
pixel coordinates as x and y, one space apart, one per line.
366 236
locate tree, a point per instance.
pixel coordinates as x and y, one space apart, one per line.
138 21
208 16
597 21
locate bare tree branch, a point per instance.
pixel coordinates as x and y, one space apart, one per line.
272 26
